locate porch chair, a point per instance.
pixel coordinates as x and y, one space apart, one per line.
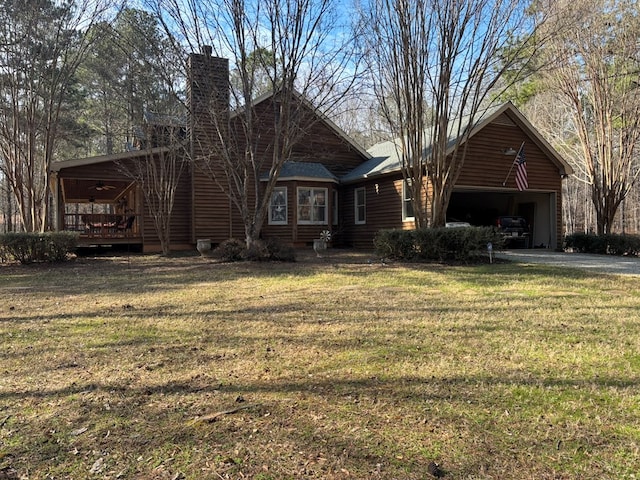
126 225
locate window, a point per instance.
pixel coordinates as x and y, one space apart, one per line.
278 206
359 201
312 206
334 218
407 204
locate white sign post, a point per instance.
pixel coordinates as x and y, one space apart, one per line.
490 250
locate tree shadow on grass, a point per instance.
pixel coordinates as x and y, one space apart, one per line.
322 423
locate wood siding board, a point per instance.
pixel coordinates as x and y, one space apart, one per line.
383 210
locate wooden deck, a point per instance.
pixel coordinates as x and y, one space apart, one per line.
92 241
104 229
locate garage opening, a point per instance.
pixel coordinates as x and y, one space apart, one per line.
482 208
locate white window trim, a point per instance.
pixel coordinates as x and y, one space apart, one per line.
326 206
335 215
360 221
405 218
286 206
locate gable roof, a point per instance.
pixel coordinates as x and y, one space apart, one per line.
77 162
385 156
323 117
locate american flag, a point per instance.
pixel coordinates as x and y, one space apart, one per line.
521 170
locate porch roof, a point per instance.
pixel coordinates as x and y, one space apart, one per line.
81 162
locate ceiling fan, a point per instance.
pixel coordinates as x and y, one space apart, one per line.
100 186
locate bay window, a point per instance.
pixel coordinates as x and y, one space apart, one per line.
312 206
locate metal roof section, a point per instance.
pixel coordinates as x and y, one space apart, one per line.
384 159
303 171
81 162
386 155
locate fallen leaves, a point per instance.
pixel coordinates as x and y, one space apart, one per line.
212 417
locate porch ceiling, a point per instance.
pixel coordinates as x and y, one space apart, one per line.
84 191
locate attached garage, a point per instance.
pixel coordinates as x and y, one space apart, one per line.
485 188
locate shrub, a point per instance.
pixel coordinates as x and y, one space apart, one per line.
398 244
611 244
257 252
231 250
38 247
270 249
436 244
61 244
585 243
623 244
280 251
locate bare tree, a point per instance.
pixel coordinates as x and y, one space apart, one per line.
6 205
434 65
158 174
308 63
596 66
41 45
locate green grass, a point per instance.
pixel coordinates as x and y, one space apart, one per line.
349 369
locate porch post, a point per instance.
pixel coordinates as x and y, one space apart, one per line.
56 214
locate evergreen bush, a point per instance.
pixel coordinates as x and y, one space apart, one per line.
28 247
436 244
270 250
612 244
231 250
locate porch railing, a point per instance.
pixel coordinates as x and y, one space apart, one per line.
103 225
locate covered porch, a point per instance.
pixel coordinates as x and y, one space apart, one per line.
94 199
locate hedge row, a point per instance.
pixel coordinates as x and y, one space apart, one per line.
436 244
611 244
37 247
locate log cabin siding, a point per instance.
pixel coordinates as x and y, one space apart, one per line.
112 172
314 140
287 232
211 209
324 146
204 210
180 219
486 164
383 204
487 167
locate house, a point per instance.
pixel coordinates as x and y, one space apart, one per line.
330 183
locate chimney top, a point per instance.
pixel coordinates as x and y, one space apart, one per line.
207 50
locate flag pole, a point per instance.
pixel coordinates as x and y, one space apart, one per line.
512 164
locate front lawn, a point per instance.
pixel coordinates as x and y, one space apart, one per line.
145 367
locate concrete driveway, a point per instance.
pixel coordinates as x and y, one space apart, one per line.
595 263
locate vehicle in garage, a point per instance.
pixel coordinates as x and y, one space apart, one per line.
514 229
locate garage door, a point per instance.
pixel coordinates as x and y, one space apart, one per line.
482 208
